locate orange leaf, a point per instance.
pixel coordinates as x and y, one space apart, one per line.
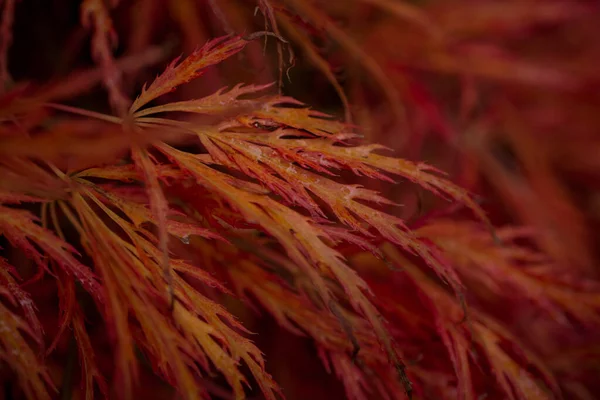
190 68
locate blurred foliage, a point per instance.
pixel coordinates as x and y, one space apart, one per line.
230 199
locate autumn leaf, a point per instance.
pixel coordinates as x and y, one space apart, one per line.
190 68
170 245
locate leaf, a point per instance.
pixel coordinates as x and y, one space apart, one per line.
213 52
20 298
137 212
508 368
220 102
296 313
278 153
94 13
87 355
159 206
301 240
68 306
354 381
16 352
201 330
363 160
514 267
20 228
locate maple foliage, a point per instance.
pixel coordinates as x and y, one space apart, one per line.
145 229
